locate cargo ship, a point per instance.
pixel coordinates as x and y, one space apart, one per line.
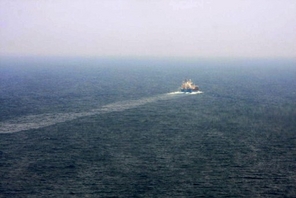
188 86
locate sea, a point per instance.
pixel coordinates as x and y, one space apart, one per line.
119 127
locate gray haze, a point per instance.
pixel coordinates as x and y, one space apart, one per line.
130 28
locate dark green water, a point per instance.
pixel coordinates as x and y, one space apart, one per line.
109 128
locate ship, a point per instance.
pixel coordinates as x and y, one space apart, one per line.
188 86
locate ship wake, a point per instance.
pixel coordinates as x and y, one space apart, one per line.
43 120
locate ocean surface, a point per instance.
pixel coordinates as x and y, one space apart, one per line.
72 127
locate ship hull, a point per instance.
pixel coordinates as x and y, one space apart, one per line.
189 90
188 87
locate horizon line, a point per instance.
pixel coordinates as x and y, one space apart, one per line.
150 57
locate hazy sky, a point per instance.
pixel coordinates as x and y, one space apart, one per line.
158 28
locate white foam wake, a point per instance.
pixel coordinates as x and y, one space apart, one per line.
44 120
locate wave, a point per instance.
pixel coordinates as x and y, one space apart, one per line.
43 120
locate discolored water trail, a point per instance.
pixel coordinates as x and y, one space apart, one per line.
44 120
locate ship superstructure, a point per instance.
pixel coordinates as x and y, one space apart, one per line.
188 86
